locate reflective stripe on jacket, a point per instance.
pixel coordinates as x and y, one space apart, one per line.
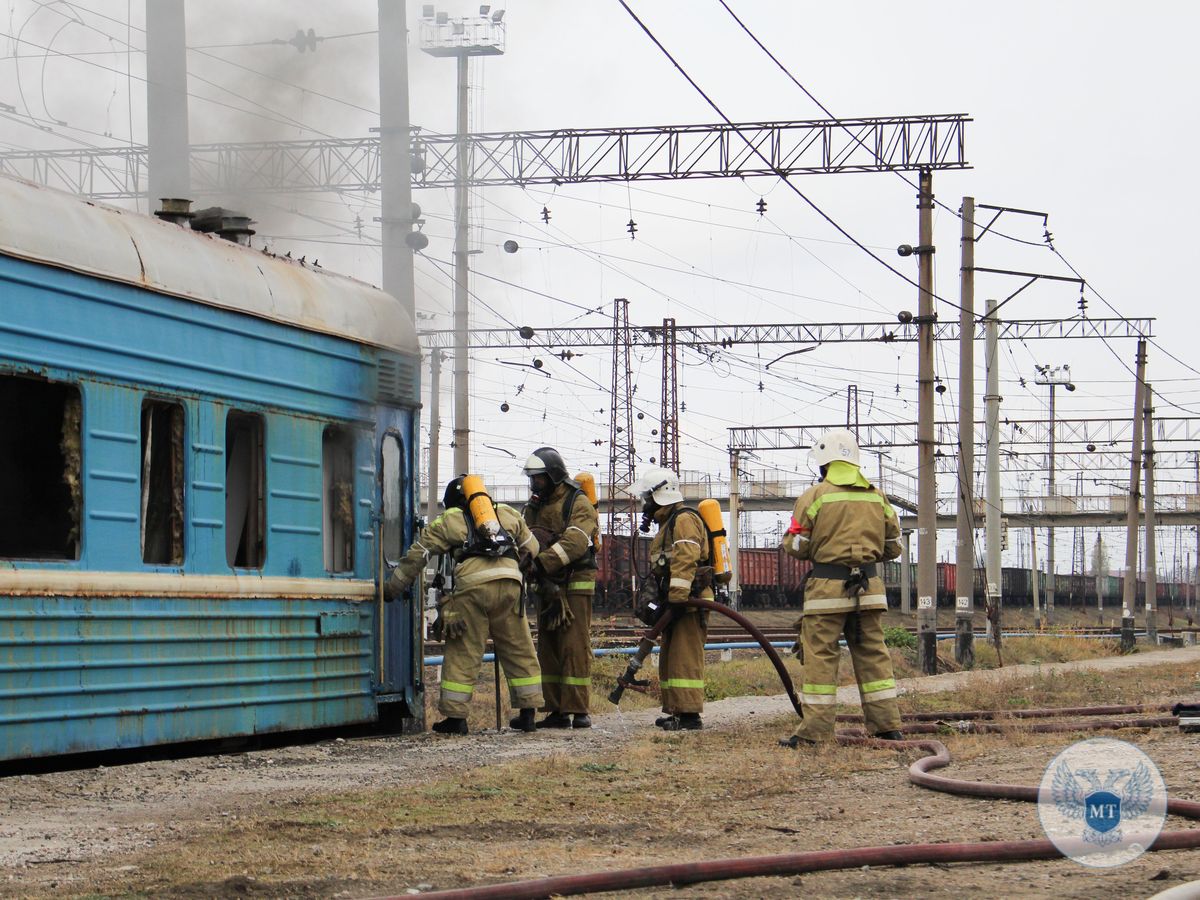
448 532
846 521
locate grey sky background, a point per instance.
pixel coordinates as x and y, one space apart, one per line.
1081 110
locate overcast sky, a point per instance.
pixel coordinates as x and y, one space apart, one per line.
1077 112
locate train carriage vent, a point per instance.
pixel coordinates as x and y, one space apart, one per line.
397 380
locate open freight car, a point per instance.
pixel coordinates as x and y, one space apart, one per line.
206 454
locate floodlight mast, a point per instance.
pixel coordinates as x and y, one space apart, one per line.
461 38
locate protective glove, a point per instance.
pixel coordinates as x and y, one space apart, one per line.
797 650
395 587
553 611
453 622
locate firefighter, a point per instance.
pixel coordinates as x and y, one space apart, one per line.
566 526
845 526
680 565
486 600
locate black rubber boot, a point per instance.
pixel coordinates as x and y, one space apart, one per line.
661 721
581 720
556 720
524 721
889 736
450 726
683 722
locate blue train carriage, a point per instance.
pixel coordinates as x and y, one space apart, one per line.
206 452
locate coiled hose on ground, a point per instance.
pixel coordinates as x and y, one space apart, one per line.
937 756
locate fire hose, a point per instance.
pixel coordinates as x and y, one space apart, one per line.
629 679
789 864
937 756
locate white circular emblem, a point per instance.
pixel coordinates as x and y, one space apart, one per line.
1102 802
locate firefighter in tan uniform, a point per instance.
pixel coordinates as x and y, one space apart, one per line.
845 526
486 601
564 572
679 562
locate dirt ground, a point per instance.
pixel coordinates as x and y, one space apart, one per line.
385 816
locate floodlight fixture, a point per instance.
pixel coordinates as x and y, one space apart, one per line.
443 18
427 11
497 16
484 9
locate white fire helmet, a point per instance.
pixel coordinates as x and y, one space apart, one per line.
837 444
660 484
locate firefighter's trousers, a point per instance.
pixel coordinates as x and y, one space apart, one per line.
681 663
565 654
872 669
492 608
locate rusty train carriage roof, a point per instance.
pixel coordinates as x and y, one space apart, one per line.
58 229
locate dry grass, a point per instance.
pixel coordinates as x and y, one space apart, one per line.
655 797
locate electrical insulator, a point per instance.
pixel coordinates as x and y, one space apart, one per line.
546 214
632 229
504 406
761 205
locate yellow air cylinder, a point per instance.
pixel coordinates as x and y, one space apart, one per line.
710 512
480 506
587 484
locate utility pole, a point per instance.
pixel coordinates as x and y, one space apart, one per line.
926 474
668 435
1052 377
461 38
735 500
435 429
1196 571
905 571
991 401
964 558
1129 594
1151 537
395 162
166 102
1097 555
1035 579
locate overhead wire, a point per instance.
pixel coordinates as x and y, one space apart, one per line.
779 172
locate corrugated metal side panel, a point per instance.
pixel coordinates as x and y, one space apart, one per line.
79 675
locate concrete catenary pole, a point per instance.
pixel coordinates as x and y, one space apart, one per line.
462 389
1129 593
991 401
1151 520
395 159
964 557
926 477
166 102
1196 570
1096 556
906 571
435 430
1053 503
735 497
1035 579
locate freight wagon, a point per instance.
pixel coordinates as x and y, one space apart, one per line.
207 458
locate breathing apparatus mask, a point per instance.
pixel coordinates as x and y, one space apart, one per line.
650 506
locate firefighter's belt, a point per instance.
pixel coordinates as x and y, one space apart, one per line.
832 570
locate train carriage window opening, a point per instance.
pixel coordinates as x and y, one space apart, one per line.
162 483
245 491
392 476
337 458
41 494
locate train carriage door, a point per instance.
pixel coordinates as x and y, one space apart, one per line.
399 646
